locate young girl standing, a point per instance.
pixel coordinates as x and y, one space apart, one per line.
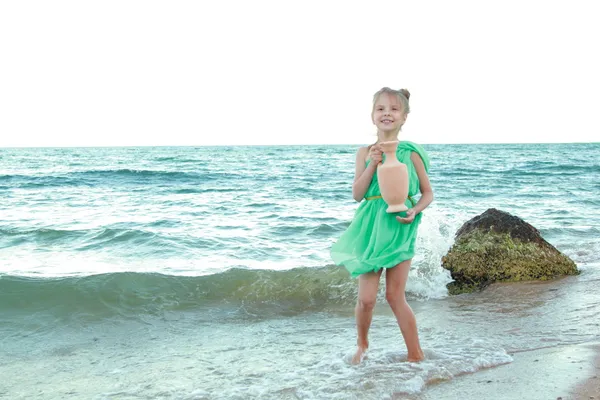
376 240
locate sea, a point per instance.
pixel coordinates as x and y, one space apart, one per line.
204 272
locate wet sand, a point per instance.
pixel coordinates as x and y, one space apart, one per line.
589 387
567 372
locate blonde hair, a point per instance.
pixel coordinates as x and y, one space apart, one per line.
402 94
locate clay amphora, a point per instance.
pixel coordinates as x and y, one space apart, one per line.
393 178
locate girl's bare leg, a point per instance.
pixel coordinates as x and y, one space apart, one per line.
368 284
395 285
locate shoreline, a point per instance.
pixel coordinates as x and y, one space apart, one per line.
589 387
569 372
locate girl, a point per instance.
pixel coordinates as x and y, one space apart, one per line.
376 240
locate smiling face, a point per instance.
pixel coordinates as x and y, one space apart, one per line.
388 113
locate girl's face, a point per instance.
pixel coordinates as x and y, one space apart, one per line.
388 114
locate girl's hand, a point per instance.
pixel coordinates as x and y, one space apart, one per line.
375 154
410 217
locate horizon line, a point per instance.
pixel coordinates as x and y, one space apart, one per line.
276 145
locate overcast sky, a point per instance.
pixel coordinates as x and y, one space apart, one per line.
113 73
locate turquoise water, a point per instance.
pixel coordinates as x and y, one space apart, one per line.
204 272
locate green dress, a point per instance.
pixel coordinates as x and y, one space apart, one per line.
375 239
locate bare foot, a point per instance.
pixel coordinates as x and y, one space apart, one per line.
358 356
417 358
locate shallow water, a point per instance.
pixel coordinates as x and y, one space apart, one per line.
198 354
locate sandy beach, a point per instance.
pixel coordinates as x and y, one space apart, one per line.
589 387
567 373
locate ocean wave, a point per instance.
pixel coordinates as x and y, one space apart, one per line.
14 236
110 176
535 168
119 235
197 190
177 159
36 182
582 232
128 293
553 169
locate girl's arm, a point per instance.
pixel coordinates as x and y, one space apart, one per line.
424 184
363 175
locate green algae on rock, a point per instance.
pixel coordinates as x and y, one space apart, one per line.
499 247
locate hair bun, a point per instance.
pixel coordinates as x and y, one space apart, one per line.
405 92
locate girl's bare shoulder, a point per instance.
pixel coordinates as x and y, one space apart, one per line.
362 153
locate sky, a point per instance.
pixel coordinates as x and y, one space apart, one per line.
179 73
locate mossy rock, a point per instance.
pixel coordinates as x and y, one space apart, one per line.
499 247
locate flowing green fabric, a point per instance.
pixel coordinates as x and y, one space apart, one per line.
375 239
